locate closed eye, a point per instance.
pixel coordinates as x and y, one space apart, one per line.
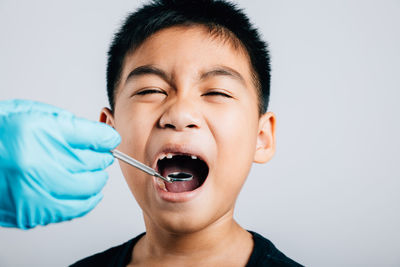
218 93
150 91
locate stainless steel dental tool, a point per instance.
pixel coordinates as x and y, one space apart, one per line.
172 177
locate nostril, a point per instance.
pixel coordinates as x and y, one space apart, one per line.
191 126
168 125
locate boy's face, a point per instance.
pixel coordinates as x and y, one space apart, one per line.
186 92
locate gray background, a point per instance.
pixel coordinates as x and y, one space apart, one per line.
330 196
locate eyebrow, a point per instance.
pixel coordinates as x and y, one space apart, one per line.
223 71
145 70
215 71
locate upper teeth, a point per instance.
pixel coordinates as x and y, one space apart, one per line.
170 155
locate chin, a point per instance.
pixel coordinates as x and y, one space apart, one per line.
181 222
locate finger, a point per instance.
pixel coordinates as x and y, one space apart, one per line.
44 209
88 160
78 207
28 106
78 185
74 208
86 134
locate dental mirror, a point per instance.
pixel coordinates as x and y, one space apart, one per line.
172 177
180 176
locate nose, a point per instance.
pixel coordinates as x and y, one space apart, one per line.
180 115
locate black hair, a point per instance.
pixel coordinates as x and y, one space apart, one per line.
221 17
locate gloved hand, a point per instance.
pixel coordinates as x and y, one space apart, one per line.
51 163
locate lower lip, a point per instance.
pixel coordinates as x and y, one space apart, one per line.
177 197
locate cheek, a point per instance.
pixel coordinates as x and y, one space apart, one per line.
134 129
235 132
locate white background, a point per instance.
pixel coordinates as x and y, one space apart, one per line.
330 196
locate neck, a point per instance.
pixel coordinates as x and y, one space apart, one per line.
215 239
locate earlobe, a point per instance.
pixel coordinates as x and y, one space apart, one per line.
107 117
265 147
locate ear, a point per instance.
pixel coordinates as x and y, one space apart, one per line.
107 117
265 147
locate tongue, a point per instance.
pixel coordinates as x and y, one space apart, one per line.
183 186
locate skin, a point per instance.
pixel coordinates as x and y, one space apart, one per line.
217 115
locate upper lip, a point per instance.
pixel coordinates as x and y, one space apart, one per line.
178 149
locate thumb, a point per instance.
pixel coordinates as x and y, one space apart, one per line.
85 134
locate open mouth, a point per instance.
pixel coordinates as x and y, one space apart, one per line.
182 163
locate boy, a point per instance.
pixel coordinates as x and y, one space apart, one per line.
188 85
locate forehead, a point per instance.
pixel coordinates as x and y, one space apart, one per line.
189 50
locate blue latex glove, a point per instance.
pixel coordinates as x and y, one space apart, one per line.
51 163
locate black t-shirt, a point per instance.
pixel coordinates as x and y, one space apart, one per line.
264 254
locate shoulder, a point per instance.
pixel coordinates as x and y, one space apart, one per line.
115 256
266 254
